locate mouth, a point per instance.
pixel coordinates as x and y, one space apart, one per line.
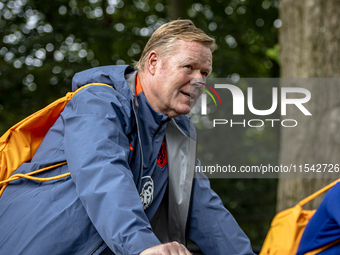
188 95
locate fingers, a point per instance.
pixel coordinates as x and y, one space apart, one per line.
173 248
176 248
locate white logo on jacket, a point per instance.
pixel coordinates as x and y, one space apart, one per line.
146 195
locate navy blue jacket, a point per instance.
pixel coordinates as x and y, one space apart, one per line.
100 135
324 226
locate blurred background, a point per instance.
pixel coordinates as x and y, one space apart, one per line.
44 43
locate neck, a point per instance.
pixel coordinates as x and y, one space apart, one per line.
145 79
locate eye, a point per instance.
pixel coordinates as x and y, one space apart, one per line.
188 67
204 74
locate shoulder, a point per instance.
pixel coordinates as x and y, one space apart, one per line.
118 77
99 106
99 100
102 90
332 200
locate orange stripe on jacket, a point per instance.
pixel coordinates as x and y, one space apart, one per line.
138 86
138 89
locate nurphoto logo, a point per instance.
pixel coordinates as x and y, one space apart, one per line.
204 97
296 96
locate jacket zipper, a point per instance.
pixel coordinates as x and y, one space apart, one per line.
140 143
97 247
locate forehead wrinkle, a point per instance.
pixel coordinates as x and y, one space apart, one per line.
195 60
190 56
188 59
197 63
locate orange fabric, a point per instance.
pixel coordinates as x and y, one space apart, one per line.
138 86
21 141
286 229
322 248
3 184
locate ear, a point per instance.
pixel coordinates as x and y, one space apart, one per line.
153 60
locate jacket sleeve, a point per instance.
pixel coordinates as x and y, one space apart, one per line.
97 120
211 226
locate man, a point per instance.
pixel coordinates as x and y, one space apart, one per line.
130 154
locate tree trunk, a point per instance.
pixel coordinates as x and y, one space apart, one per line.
175 9
310 43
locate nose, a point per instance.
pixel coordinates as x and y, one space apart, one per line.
197 79
198 75
196 86
197 83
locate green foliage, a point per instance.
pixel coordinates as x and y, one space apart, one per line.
43 43
274 53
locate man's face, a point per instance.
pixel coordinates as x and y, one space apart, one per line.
171 93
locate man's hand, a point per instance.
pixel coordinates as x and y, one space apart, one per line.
173 248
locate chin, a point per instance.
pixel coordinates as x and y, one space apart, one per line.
184 110
179 109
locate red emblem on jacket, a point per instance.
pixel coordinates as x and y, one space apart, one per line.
162 158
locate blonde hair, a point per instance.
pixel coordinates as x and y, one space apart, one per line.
163 39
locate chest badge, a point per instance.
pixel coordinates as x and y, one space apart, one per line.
162 158
146 195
